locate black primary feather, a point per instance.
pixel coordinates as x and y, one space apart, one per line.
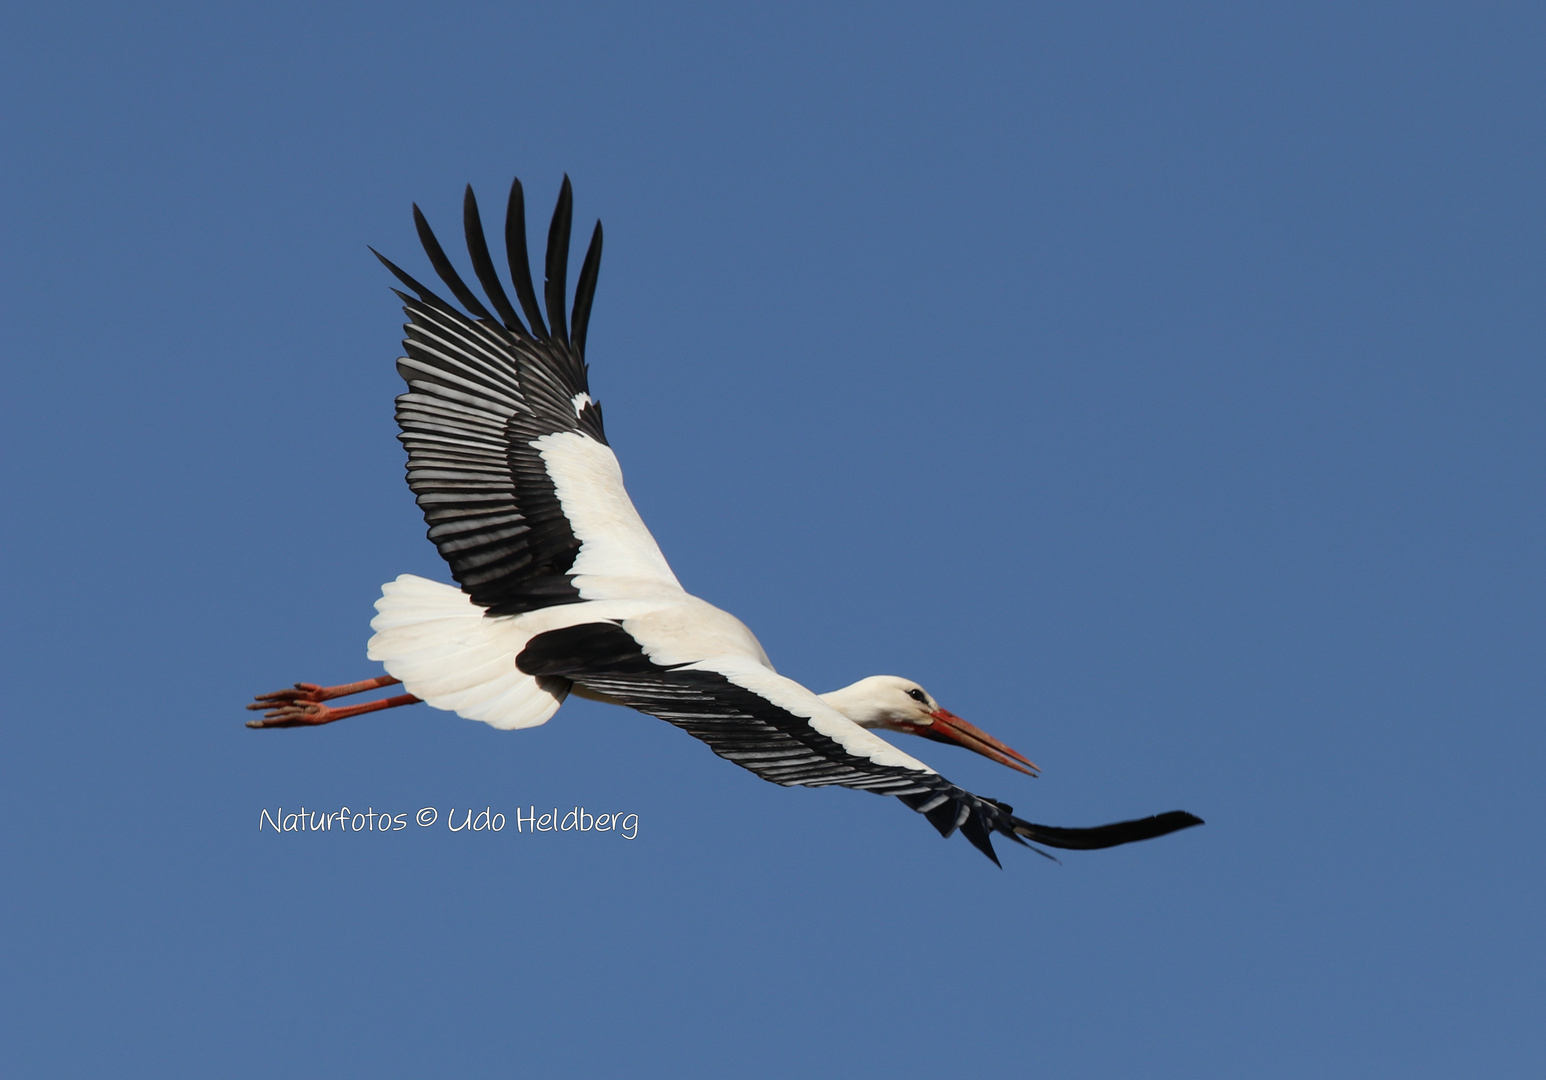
447 272
975 831
483 264
1104 836
585 291
407 279
520 264
558 260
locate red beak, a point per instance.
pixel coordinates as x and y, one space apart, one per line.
950 728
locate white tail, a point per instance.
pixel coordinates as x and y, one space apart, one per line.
448 652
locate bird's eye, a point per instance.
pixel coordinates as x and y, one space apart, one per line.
918 695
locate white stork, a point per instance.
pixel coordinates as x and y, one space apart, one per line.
563 590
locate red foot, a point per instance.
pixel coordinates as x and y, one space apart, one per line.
302 706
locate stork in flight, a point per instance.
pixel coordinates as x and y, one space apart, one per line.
563 590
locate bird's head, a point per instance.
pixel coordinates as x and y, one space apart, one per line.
892 703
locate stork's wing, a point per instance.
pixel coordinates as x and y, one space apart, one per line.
785 734
506 452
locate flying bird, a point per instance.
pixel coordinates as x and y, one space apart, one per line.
562 590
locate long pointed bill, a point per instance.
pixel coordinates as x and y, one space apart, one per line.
950 728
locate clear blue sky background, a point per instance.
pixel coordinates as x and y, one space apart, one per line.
1160 386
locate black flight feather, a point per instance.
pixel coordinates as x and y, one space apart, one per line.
424 294
447 272
1104 836
585 291
483 264
515 252
558 260
942 817
975 831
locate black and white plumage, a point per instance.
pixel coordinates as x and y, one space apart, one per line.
563 589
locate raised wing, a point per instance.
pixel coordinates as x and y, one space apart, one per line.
507 456
777 729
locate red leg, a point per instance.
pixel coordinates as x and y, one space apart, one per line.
306 691
302 706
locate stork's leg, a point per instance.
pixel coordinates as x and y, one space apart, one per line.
302 706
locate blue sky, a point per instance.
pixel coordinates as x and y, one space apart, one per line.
1160 388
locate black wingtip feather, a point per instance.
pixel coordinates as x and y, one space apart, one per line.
975 831
585 291
943 817
447 272
1104 836
402 275
516 254
483 264
557 265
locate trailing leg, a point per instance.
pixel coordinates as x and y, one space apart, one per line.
303 706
